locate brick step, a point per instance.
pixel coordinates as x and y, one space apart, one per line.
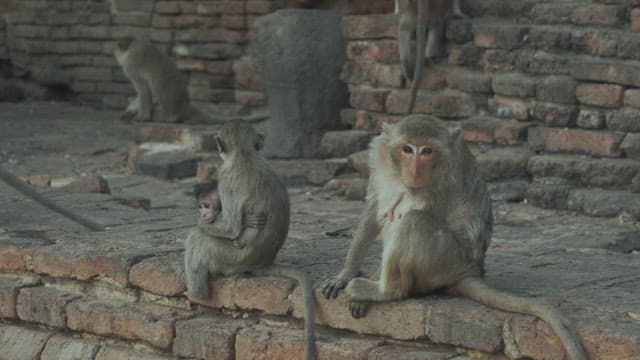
167 330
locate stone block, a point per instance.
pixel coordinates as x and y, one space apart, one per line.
604 95
300 55
360 162
61 347
532 338
145 322
44 305
393 352
167 165
499 36
625 119
343 143
91 184
469 81
631 146
514 85
108 352
635 19
367 98
503 163
510 108
208 337
584 171
554 115
604 203
8 299
549 193
606 70
557 89
353 188
597 14
136 202
22 344
145 6
632 98
12 258
600 143
590 119
162 275
508 191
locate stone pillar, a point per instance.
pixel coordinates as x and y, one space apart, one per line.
300 53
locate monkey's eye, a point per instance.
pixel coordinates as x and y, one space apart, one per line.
426 151
407 149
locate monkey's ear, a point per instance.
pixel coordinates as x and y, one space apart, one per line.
259 142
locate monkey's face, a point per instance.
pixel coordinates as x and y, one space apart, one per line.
416 162
209 207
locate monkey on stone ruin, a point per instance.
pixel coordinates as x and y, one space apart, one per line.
246 185
412 20
161 90
428 204
209 207
27 190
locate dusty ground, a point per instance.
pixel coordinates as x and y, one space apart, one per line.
584 264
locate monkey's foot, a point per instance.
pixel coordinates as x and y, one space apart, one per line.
332 286
358 309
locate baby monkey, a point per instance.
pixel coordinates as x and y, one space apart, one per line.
210 206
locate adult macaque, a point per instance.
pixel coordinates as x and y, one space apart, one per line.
161 90
416 19
428 204
209 207
247 185
27 190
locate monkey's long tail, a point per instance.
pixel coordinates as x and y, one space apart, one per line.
309 302
421 40
17 184
478 290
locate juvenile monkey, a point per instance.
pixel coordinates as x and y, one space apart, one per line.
432 211
247 185
209 207
27 190
161 90
412 19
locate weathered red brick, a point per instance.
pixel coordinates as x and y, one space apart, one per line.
514 84
557 89
208 337
490 130
148 322
385 51
369 27
368 98
91 184
109 352
608 71
167 7
446 104
601 143
162 275
635 19
503 163
510 108
133 5
555 115
12 258
44 305
269 294
605 95
625 119
469 81
8 299
261 342
426 352
373 74
632 98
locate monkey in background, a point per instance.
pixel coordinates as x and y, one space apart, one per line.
161 90
246 185
431 209
209 207
414 19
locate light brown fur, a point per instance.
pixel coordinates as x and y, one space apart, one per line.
247 185
440 229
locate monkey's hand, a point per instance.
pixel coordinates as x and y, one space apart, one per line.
237 244
256 221
332 286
